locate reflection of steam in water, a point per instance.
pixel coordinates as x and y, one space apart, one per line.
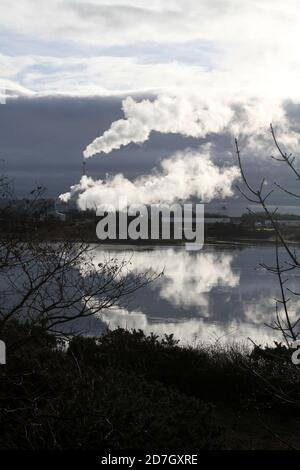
203 296
259 313
188 331
188 277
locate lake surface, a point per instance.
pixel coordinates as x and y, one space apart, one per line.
217 294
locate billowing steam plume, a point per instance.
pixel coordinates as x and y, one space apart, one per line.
166 114
194 117
183 175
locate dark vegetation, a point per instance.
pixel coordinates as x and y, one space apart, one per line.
126 390
83 228
236 232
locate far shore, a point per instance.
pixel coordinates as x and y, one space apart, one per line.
209 241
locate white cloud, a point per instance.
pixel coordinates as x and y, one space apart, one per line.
257 44
127 21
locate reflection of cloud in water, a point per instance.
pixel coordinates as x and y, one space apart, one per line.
188 277
188 331
261 311
202 296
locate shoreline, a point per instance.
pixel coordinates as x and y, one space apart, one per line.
209 241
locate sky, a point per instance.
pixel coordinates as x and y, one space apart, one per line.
148 93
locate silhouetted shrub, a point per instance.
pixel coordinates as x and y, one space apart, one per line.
51 397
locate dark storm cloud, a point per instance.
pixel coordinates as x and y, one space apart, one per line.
42 141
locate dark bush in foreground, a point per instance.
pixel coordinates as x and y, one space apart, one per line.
209 373
128 390
51 398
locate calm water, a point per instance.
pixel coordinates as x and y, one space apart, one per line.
217 294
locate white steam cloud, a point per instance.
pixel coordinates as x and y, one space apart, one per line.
166 114
188 115
183 175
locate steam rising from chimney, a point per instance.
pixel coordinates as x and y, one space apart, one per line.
182 176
